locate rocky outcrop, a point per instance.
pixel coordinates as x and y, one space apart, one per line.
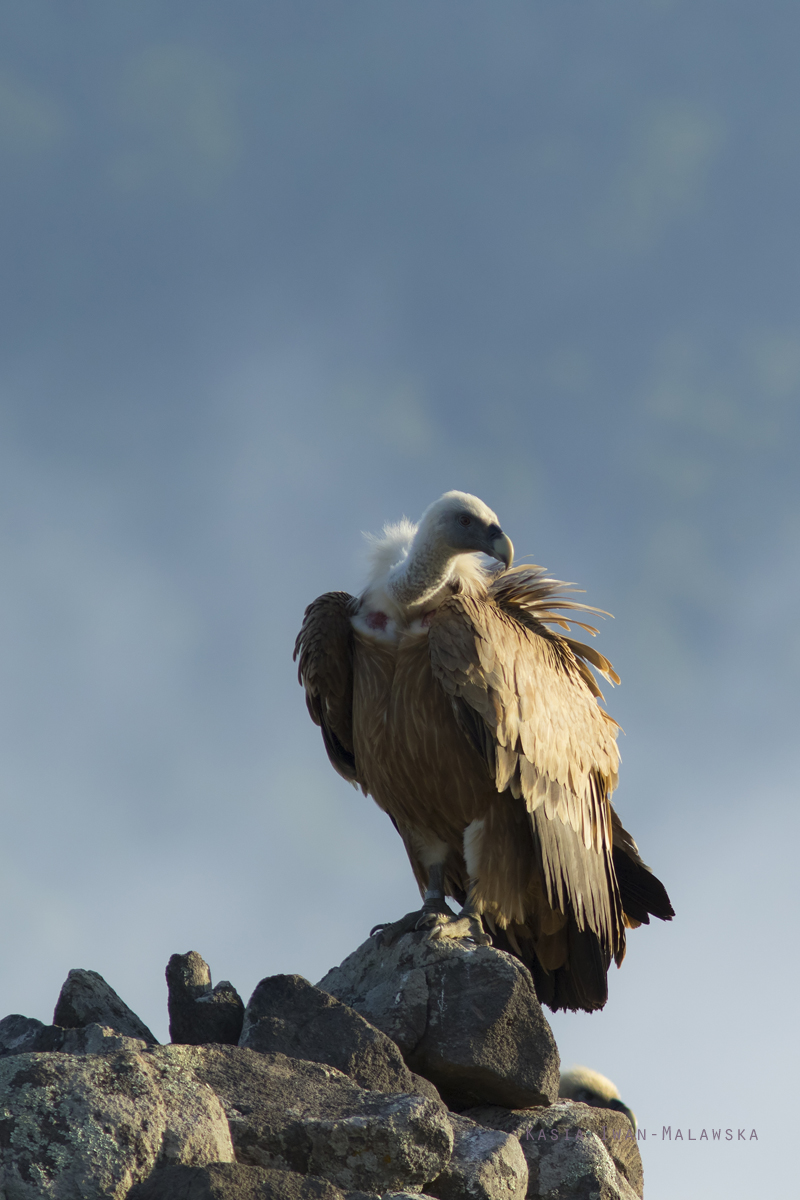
466 1017
35 1038
308 1117
573 1151
317 1102
233 1181
86 999
94 1125
17 1031
198 1013
287 1014
486 1164
91 1126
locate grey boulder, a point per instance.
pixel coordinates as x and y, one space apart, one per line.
465 1017
288 1015
86 999
17 1032
198 1013
233 1181
310 1118
574 1152
90 1127
486 1164
36 1038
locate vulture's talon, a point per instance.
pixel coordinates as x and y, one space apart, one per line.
435 911
468 926
388 932
428 921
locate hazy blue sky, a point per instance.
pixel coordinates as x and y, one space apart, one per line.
275 273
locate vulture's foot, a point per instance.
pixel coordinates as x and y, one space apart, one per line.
465 925
433 913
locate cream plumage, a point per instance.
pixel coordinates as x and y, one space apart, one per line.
444 692
590 1087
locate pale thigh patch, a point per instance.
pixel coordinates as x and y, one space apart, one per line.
473 840
428 848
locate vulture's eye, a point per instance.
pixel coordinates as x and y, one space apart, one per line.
464 519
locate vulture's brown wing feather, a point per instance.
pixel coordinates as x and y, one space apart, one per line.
520 695
325 649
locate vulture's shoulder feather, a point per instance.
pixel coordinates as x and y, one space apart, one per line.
324 648
530 687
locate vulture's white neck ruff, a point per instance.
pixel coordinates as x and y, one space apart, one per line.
412 573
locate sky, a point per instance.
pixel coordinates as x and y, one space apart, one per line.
277 273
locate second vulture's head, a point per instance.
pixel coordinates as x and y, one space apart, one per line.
466 525
590 1087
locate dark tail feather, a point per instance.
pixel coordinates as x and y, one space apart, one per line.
580 986
642 894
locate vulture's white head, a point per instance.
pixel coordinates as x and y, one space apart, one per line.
590 1087
414 567
464 524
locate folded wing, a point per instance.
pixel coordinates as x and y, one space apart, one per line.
324 647
525 698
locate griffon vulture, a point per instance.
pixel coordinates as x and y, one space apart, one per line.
445 694
590 1087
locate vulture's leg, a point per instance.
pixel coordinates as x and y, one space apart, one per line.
435 910
467 924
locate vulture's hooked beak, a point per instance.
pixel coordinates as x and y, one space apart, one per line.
623 1108
503 550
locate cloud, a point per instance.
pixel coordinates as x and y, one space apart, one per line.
663 176
177 108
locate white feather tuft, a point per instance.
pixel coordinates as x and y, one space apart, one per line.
472 573
385 550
